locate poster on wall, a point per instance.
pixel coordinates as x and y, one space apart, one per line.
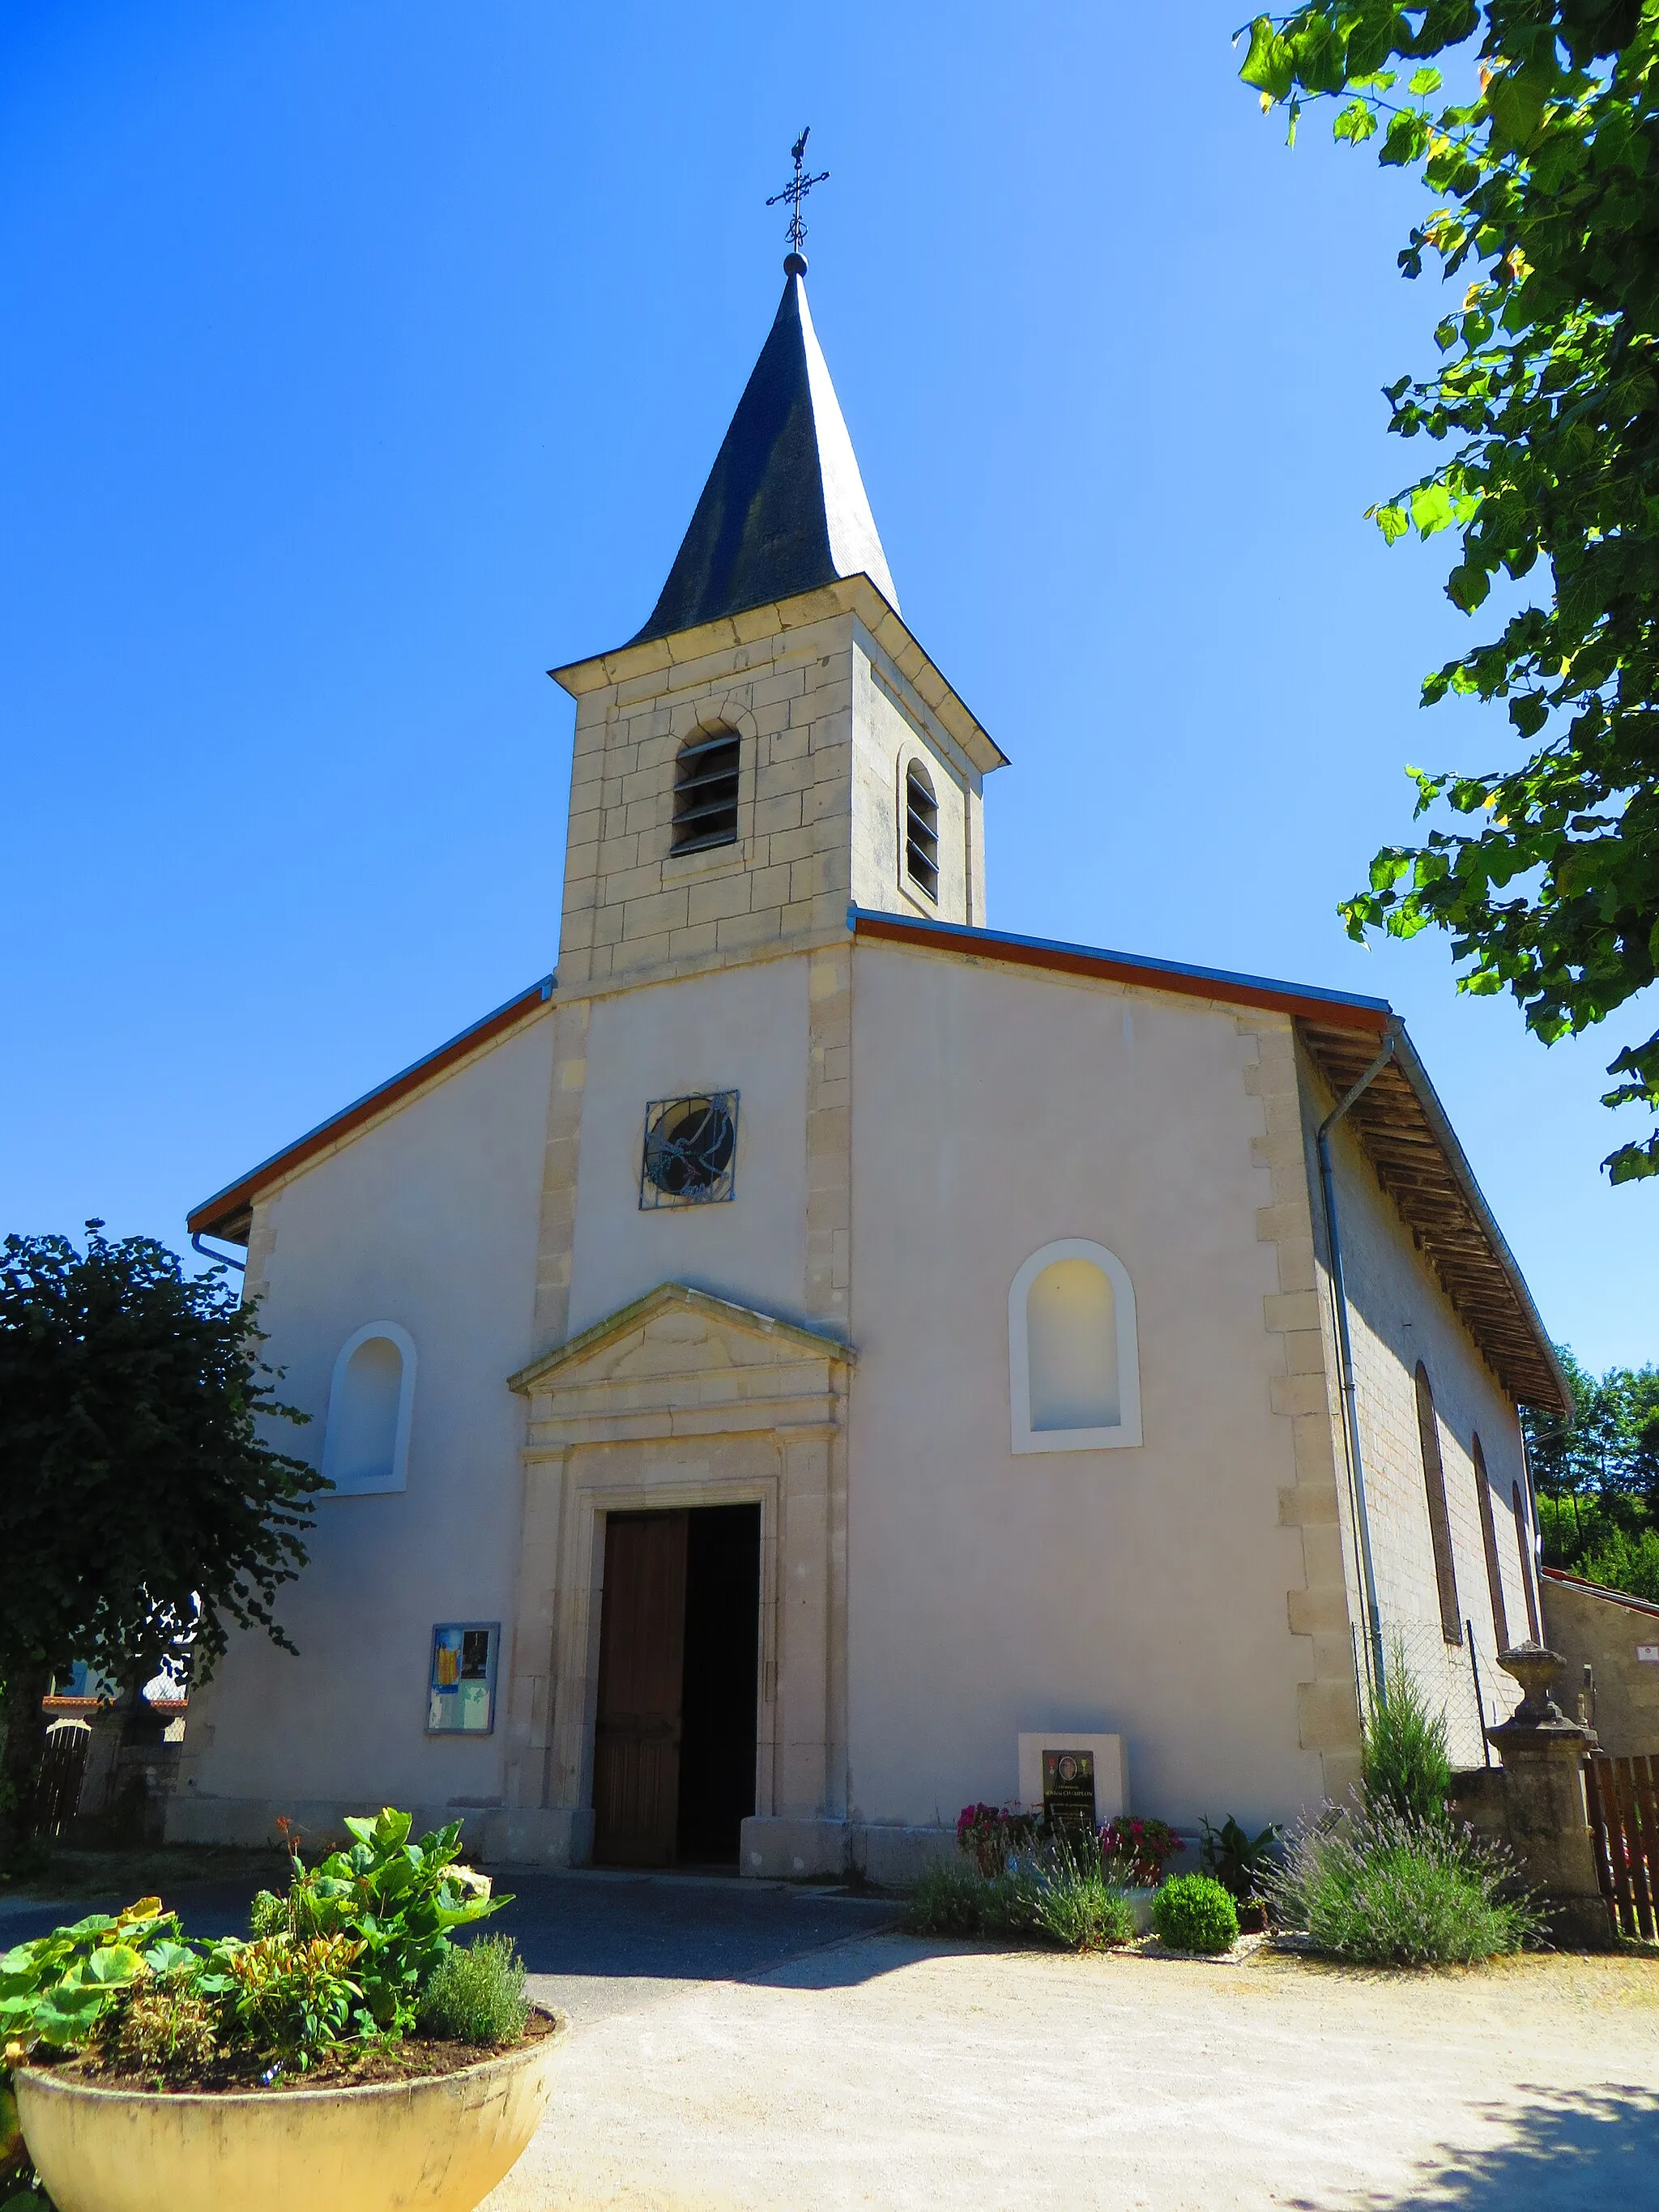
461 1690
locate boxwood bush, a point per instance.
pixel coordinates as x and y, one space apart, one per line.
1194 1912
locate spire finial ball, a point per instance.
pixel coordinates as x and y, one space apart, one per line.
794 264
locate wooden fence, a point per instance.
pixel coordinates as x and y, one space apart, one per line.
1623 1812
61 1772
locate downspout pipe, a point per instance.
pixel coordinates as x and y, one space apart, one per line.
1345 1344
224 1259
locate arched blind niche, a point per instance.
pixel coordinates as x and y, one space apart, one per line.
369 1407
1073 1358
1500 1626
921 831
1523 1544
706 791
1434 1481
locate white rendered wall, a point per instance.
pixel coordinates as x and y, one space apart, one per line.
427 1219
743 1029
1141 1591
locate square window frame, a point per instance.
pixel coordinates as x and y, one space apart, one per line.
723 1189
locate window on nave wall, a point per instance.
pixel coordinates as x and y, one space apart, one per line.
370 1404
1434 1484
1072 1355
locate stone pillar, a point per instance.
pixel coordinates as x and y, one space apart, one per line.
1546 1815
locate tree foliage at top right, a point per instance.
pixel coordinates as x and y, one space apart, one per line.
1545 415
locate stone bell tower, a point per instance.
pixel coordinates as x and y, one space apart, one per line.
773 745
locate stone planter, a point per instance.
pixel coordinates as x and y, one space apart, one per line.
437 2144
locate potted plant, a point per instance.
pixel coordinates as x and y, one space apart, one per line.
346 2056
1238 1861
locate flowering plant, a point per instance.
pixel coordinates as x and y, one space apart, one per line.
1135 1852
991 1835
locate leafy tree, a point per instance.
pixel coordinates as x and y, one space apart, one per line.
1547 407
141 1513
1597 1476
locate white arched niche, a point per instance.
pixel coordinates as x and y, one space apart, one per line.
1072 1361
370 1404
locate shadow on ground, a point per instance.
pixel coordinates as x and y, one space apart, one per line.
569 1928
1585 2150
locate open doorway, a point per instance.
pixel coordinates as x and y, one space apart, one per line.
679 1635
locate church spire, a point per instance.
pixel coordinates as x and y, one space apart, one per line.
784 509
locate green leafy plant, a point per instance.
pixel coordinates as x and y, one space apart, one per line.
291 1997
1384 1887
160 2027
1073 1904
1235 1858
1194 1912
1546 204
949 1900
395 1900
1404 1759
1137 1851
54 1991
475 1994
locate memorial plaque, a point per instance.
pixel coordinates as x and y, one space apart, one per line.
1068 1788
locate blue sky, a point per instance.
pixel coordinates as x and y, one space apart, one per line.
366 359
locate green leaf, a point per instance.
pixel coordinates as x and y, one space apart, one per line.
1392 521
1269 66
1423 80
1356 122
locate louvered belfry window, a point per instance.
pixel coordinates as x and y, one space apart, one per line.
706 791
920 831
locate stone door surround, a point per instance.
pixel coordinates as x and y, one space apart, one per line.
680 1398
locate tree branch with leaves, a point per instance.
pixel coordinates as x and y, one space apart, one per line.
1546 404
142 1514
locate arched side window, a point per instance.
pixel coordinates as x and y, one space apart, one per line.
370 1405
1500 1625
1523 1544
921 831
1434 1481
1073 1365
706 791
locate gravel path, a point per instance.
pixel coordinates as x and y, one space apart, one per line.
885 2071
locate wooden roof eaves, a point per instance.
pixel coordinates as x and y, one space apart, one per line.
1434 1190
227 1213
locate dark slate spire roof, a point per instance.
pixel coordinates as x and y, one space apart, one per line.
784 509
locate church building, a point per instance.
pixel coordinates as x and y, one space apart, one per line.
816 1360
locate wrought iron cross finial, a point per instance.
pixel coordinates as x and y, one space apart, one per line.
795 191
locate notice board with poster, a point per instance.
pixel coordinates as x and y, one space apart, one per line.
461 1683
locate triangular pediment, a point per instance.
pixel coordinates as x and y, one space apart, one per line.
671 1331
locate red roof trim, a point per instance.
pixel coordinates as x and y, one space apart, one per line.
1368 1014
208 1219
1600 1589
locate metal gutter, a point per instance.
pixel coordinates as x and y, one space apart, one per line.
225 1205
1128 967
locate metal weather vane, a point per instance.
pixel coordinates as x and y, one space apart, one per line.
796 191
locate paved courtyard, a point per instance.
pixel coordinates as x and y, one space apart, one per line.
885 2071
738 2046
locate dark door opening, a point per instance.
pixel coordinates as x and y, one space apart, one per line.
679 1634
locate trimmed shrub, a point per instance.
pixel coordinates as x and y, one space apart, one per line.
1405 1762
475 1994
1192 1912
1387 1888
946 1900
1072 1903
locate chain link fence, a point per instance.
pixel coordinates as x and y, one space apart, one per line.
1457 1680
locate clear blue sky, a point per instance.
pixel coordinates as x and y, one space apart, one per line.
364 360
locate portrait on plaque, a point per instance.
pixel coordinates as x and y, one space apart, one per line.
1068 1788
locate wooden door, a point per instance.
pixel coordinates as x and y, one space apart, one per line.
636 1751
